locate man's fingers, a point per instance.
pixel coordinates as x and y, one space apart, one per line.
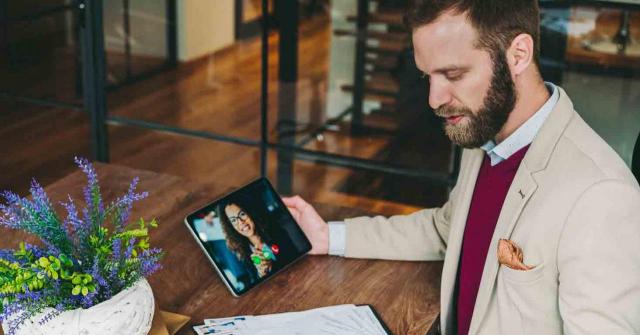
295 202
290 201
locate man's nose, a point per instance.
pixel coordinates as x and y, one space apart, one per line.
438 94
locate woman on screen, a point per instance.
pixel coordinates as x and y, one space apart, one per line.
246 237
210 232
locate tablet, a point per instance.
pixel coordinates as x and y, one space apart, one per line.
248 235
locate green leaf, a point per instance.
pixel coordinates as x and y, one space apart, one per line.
76 279
65 261
103 231
76 290
85 291
65 274
142 232
22 253
144 244
43 262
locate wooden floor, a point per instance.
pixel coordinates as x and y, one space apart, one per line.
218 93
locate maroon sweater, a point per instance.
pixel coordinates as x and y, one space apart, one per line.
488 196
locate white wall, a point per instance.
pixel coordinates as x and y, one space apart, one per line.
204 26
147 25
342 59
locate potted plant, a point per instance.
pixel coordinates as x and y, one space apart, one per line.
87 276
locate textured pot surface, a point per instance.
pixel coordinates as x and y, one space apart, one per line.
128 312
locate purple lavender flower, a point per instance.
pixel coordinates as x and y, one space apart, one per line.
35 216
21 309
42 204
50 315
115 257
15 316
129 251
102 286
72 223
92 190
11 309
123 205
126 206
88 300
35 250
86 216
8 255
12 212
149 261
29 296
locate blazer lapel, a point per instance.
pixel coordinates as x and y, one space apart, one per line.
466 183
522 188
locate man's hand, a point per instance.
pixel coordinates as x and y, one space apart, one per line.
312 224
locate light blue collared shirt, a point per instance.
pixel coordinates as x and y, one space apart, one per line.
520 138
525 134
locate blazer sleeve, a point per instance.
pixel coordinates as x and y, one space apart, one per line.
599 261
420 236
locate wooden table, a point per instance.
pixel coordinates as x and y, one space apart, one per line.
405 294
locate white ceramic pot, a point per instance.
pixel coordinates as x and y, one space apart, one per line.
129 312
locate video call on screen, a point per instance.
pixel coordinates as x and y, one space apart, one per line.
249 234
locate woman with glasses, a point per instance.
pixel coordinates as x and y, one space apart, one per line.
248 237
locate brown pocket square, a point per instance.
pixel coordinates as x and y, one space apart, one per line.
510 255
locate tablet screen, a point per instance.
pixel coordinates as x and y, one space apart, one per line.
249 235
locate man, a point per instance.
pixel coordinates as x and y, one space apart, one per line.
542 230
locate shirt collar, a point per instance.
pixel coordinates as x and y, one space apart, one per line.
525 134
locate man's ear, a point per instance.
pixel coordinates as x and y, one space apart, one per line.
520 54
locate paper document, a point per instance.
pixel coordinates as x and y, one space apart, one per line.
333 320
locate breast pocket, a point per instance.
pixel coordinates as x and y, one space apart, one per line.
522 276
527 301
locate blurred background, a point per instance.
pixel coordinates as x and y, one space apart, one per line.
179 87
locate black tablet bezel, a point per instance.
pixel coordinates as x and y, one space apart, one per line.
189 222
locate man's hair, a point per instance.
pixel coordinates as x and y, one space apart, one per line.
497 22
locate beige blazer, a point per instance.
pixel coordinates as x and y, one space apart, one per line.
574 209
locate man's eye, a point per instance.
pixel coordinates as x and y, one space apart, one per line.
454 77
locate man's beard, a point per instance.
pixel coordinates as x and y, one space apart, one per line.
483 125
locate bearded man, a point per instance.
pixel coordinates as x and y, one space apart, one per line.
541 234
